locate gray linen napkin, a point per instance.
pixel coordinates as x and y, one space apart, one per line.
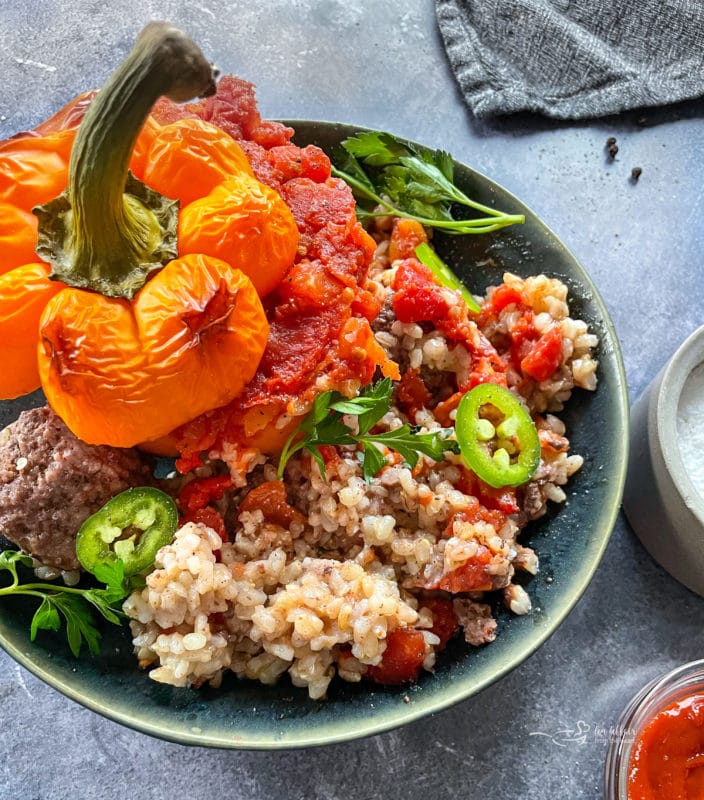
572 59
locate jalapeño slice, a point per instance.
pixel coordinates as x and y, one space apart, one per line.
497 438
132 526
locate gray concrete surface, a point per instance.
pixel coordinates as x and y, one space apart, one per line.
381 64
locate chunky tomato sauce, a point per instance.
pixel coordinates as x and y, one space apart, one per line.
419 298
532 354
667 761
319 316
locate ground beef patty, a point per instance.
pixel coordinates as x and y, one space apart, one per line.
50 482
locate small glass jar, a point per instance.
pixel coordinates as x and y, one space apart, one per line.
679 684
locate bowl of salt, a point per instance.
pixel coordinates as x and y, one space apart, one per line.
664 493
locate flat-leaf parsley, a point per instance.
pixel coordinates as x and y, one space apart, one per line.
324 425
409 181
69 604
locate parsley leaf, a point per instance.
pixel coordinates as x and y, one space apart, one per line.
409 443
46 618
79 623
324 425
70 604
410 181
373 460
370 406
375 148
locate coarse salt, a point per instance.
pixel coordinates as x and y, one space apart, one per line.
690 427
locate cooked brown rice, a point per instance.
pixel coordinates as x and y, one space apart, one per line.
320 596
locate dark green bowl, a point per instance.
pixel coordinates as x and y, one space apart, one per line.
570 543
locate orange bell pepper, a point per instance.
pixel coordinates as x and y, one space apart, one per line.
128 349
33 170
119 372
25 291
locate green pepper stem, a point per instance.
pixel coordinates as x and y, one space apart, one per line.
97 236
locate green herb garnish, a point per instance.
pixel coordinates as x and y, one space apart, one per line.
71 603
324 426
411 182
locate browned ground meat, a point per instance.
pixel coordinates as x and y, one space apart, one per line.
51 482
476 620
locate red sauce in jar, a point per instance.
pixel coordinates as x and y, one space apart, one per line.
667 760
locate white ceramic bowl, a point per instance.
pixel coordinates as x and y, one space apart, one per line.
661 498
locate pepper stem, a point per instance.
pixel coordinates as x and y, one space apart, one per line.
108 230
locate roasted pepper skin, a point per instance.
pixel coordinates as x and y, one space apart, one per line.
34 170
225 213
189 341
24 293
104 367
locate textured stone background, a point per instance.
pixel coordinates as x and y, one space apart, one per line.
381 64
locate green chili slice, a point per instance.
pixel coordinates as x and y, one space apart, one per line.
426 255
497 438
132 526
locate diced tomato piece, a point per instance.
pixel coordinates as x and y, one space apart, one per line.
503 296
189 459
234 109
413 394
544 356
270 498
402 659
165 111
444 408
209 517
291 162
417 297
470 577
502 500
199 493
361 352
445 622
329 454
406 235
422 304
552 442
296 345
366 304
271 133
316 164
485 370
411 272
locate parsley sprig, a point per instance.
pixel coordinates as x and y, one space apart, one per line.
324 425
72 604
411 182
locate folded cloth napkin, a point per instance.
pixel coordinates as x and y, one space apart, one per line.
572 59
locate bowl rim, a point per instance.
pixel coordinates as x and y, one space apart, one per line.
335 731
